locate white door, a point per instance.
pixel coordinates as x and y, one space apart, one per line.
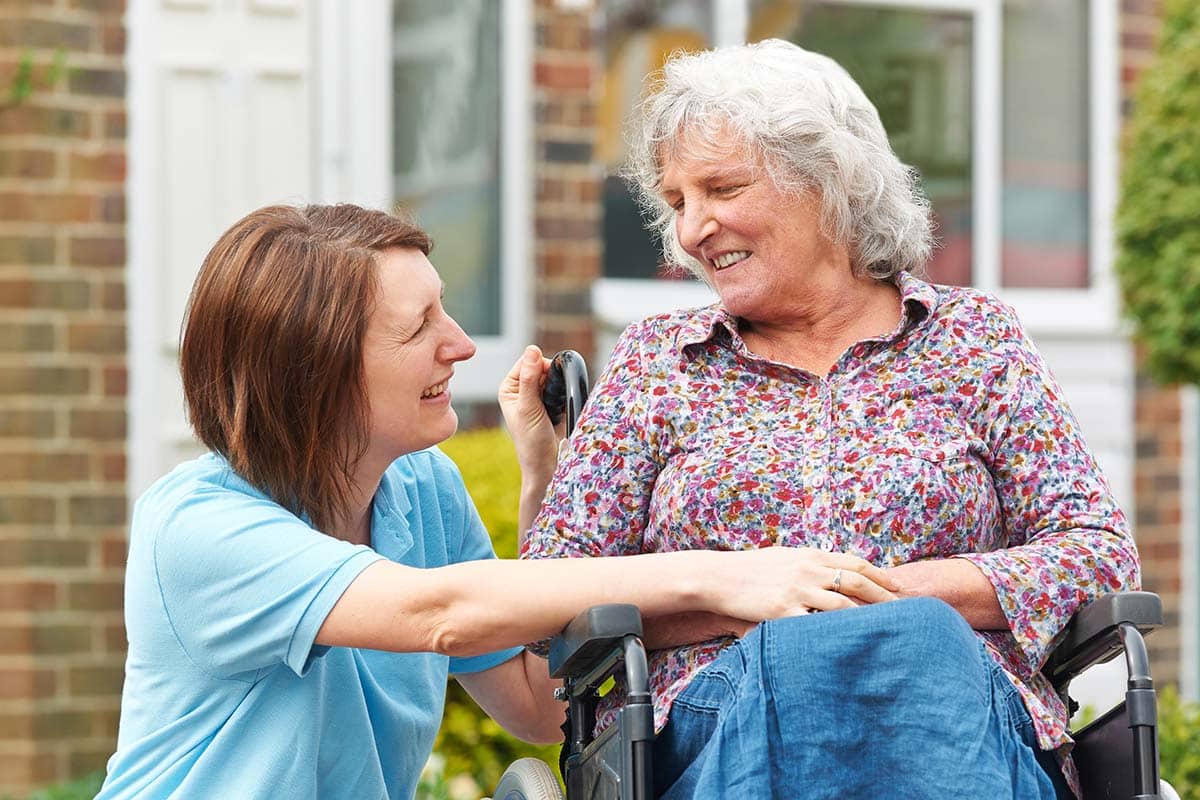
222 122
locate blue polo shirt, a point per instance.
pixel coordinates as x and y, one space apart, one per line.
225 693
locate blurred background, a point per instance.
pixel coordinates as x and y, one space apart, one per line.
133 133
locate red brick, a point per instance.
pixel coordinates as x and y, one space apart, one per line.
26 683
564 76
116 381
114 125
96 337
23 510
114 551
112 39
96 251
44 380
24 33
26 250
27 423
28 770
22 337
112 296
48 207
96 596
18 465
113 468
33 164
43 552
98 424
45 293
97 509
30 118
97 82
95 681
108 166
27 595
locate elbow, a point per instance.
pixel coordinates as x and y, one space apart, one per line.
449 638
545 729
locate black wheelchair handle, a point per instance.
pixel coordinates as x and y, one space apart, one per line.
566 388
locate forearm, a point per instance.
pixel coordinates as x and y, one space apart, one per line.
689 627
519 694
476 607
956 581
533 492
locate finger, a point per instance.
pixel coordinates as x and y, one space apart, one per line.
828 600
854 585
865 568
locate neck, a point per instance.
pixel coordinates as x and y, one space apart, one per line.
355 525
817 330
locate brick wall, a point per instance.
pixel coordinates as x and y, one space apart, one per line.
1159 447
567 210
62 392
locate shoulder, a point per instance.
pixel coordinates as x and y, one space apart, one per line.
978 318
669 332
205 485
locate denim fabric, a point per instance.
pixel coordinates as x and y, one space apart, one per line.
897 700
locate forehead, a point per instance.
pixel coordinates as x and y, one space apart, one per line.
693 154
408 283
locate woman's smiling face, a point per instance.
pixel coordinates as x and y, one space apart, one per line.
762 249
409 352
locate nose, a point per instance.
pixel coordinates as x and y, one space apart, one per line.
694 225
458 346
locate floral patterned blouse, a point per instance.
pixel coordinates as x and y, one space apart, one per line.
946 437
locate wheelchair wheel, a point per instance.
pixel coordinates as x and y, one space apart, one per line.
528 779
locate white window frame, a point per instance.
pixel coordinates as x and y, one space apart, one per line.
1079 312
356 156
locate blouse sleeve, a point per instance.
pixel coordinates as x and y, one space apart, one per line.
1068 541
598 499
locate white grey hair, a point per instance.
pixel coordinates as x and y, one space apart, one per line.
814 129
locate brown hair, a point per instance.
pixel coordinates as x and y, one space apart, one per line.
271 350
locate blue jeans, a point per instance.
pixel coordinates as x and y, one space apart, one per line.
897 700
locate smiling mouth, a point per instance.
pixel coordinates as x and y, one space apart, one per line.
729 259
435 390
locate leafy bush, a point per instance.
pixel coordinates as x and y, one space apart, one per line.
469 744
1179 743
1159 241
84 788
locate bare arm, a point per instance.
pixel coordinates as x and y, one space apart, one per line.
479 606
956 581
519 694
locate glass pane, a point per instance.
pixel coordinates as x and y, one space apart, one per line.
639 35
1045 144
446 145
915 66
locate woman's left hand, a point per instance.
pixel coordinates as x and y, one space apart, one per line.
533 434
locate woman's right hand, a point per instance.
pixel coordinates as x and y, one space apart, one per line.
774 582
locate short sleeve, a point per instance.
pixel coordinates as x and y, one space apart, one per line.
245 584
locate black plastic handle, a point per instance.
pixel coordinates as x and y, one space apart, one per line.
566 388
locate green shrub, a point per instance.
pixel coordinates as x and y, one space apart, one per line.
469 744
1179 743
1158 263
84 788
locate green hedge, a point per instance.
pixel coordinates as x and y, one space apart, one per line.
472 750
1158 263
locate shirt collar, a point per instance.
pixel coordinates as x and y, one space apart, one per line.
919 300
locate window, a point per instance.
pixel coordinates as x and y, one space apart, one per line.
446 96
990 102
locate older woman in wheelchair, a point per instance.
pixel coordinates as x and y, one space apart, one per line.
834 401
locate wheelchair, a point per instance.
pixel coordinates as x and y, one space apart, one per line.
1117 753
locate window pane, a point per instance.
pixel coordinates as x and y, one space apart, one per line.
915 66
640 34
446 144
1045 144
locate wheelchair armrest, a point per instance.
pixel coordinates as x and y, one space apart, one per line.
1091 636
591 637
